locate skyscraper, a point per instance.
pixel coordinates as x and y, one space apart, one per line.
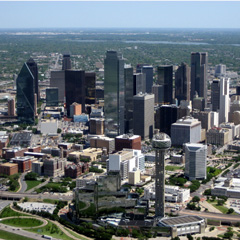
165 78
58 80
66 63
182 83
139 81
160 143
215 95
25 95
74 88
52 96
224 100
199 65
114 94
11 107
143 115
195 161
32 65
129 93
90 83
148 71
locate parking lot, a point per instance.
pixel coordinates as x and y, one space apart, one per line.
47 207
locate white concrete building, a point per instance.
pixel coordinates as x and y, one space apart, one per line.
224 100
172 193
125 161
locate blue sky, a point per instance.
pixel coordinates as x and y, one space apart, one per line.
120 14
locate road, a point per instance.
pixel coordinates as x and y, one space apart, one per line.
215 216
23 184
38 186
4 194
21 232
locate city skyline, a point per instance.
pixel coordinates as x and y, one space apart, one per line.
157 14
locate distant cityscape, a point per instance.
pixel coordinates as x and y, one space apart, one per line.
125 151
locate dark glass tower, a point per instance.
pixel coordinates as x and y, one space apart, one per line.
32 65
129 93
25 95
148 71
215 95
90 84
52 96
199 64
165 78
66 63
114 94
182 83
74 88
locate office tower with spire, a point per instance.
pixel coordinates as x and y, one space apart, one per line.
25 95
215 95
199 66
182 83
160 142
66 62
32 65
165 79
114 94
224 100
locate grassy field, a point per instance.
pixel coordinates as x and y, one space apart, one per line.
222 209
8 212
22 222
50 230
32 184
172 168
11 236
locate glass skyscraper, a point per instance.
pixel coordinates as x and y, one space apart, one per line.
25 95
114 94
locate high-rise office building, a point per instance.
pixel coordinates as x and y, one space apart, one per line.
199 65
58 80
182 83
139 81
11 107
32 65
160 143
195 161
52 97
25 95
148 71
66 63
143 115
90 83
114 94
158 91
224 100
215 95
129 93
220 70
165 116
165 78
75 88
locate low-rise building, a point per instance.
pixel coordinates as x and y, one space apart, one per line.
91 154
37 167
217 136
24 163
85 180
54 167
127 141
8 168
172 193
76 170
103 142
49 126
177 159
134 177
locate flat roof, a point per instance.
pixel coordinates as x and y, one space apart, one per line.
173 221
9 164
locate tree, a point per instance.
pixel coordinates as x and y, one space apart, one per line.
230 210
59 130
189 236
196 199
31 176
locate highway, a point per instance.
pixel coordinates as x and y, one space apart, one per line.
5 195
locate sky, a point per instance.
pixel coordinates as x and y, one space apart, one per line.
126 14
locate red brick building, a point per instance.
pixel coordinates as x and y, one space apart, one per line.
76 170
9 153
24 163
127 141
8 168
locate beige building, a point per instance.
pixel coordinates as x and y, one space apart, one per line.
92 154
218 136
134 177
203 117
103 142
